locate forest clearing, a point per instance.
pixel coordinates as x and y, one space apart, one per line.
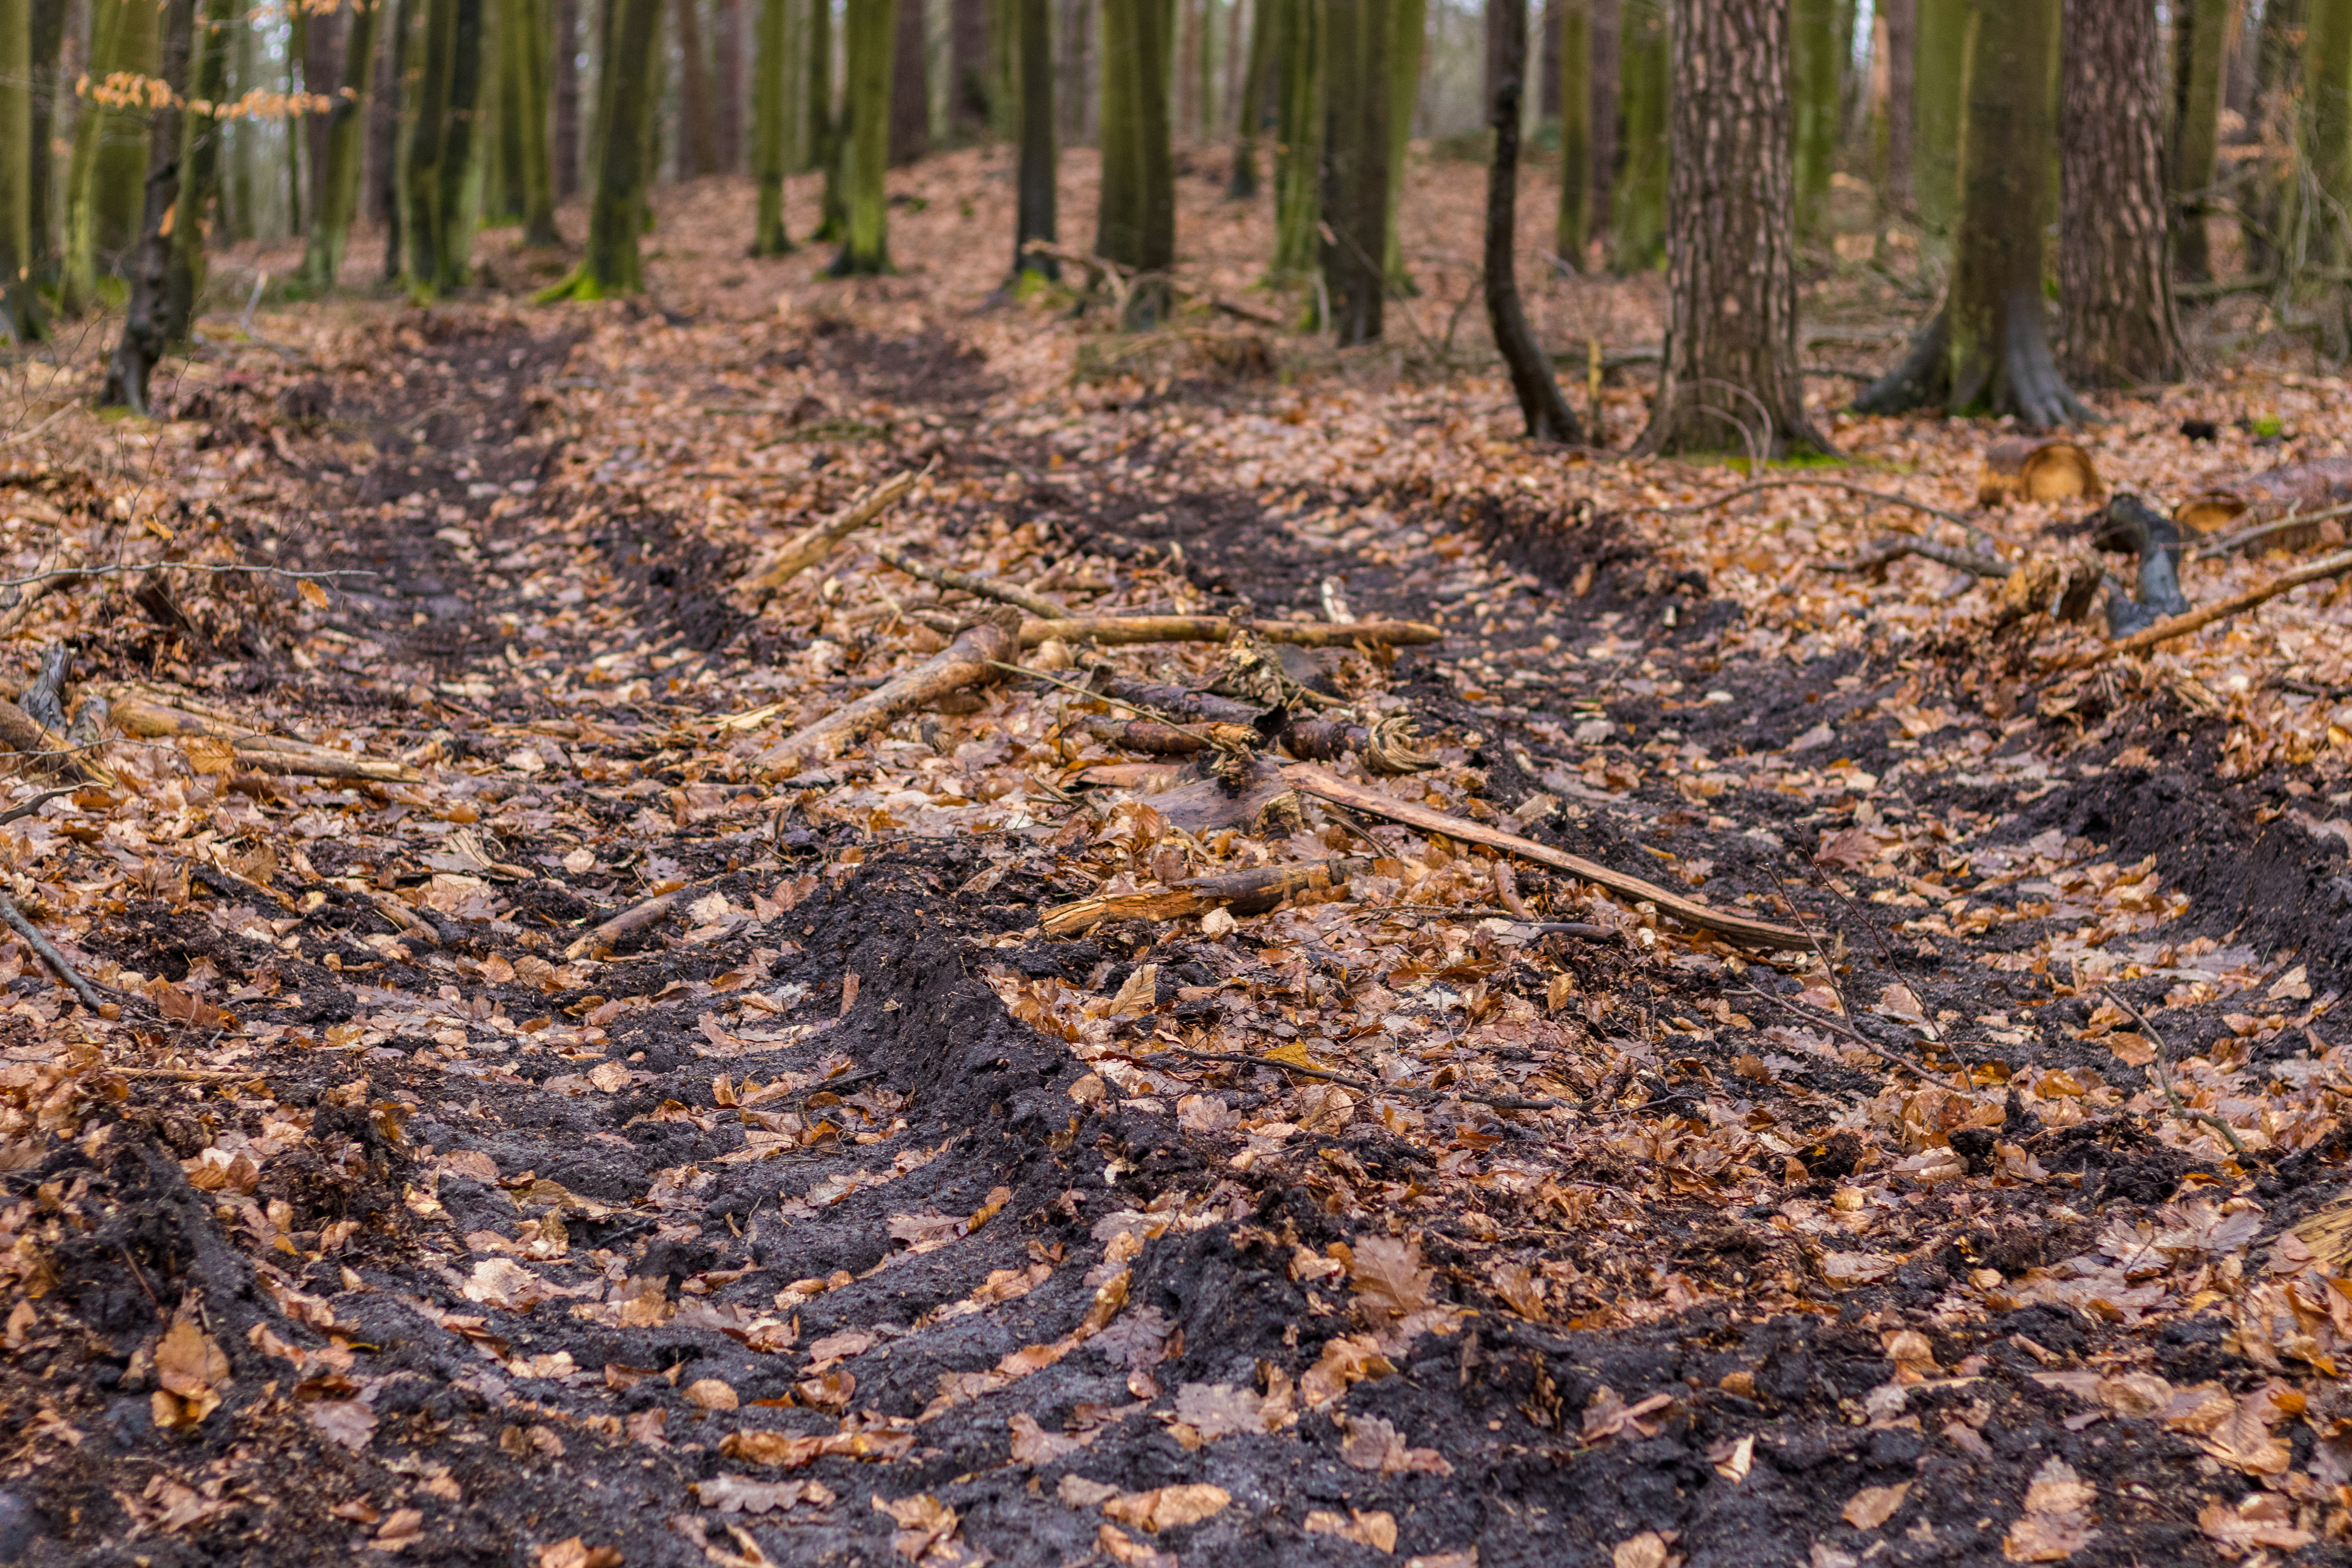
1400 861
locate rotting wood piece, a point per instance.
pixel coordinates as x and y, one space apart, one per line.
971 583
635 918
1387 745
138 712
2322 485
1324 784
1262 802
2020 467
1124 630
816 541
1888 550
45 751
1169 739
2173 626
973 659
1247 892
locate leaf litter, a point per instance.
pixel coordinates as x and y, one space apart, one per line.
519 1060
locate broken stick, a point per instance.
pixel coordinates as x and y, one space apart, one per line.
635 918
1326 785
25 737
814 543
970 583
1126 629
1888 550
2173 626
1248 892
971 661
48 954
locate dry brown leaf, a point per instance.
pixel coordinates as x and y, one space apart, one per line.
1164 1507
1375 1530
575 1553
924 1523
1648 1550
1388 1280
2056 1523
1874 1506
711 1393
2261 1518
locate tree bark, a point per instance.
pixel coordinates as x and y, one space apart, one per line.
1185 16
1077 77
1253 95
871 27
1034 216
2114 298
1548 49
48 32
1299 135
697 145
146 324
110 156
625 110
1408 30
20 307
910 86
528 38
428 144
1638 205
971 70
1815 86
1939 37
1136 226
564 89
1545 412
200 144
1601 83
245 141
2278 68
727 88
1894 176
768 107
1729 375
400 94
1355 167
454 240
1988 351
322 49
2327 120
347 123
817 94
2201 37
1574 229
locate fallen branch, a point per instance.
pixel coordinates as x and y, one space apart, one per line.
630 921
139 714
2162 1073
814 543
1732 495
1124 276
1888 550
1246 892
2260 531
970 583
22 735
970 660
1348 1080
1326 785
47 952
1121 630
2173 626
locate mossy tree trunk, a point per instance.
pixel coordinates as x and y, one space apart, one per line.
1638 204
105 179
1408 34
1574 232
2278 68
1729 375
1299 135
429 145
200 151
1355 166
147 322
2201 42
2114 298
698 116
817 94
1939 40
1251 121
1902 19
2328 123
1814 80
401 84
20 307
610 264
245 141
339 191
564 89
455 240
910 84
1138 224
1547 415
768 150
1033 214
526 43
1988 351
49 33
726 86
872 29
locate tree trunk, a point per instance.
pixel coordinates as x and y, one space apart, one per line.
401 88
1815 85
910 85
625 110
20 306
2114 300
817 94
1574 230
502 175
1729 375
1987 351
2200 36
245 141
1548 46
1546 411
2278 68
1895 177
1187 15
699 130
339 192
529 37
1408 32
727 94
383 113
1601 83
2327 137
200 144
1939 40
298 52
871 27
1138 224
564 89
49 33
1299 135
1638 205
108 175
1356 167
768 235
1034 216
428 144
456 236
971 70
322 52
1252 122
146 323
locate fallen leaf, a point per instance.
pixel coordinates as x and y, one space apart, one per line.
1377 1530
1874 1506
1164 1507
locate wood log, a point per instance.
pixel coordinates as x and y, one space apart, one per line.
1246 892
635 918
971 583
2173 626
137 713
2020 467
973 659
814 543
35 746
1746 928
1124 630
1264 804
1162 739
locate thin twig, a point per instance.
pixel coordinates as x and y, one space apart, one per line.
2230 542
1732 495
1888 550
1500 1101
2163 1075
1156 716
49 954
80 572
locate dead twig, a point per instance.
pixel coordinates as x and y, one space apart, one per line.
1019 598
1889 497
1348 1080
1887 551
1251 892
2162 1073
2173 626
48 954
973 658
1124 630
814 543
2260 531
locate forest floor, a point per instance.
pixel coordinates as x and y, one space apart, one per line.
841 1215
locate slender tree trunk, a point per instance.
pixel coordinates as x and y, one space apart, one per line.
1299 136
1408 33
1602 85
1547 413
1989 350
403 86
1638 205
910 85
1355 167
1814 84
147 322
625 110
564 89
1078 75
1186 122
2115 300
1034 216
970 69
817 94
1574 230
20 306
501 160
1252 122
1939 40
322 50
873 33
49 33
2201 42
455 253
108 174
339 191
245 147
2278 70
2328 123
1137 223
536 157
1902 17
1118 202
768 235
383 113
728 88
200 145
429 145
298 50
697 115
